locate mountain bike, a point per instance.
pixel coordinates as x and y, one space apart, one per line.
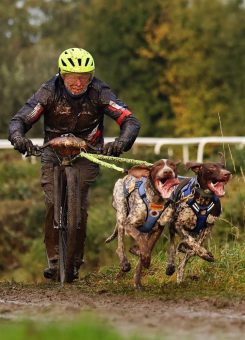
67 200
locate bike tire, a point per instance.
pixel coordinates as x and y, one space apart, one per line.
73 219
60 218
67 217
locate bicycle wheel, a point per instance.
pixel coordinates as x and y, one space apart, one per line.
60 217
73 219
68 214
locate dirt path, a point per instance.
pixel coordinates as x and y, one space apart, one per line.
152 317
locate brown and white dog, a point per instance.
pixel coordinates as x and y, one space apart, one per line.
197 206
143 192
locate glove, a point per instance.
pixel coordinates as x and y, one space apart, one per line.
115 148
23 145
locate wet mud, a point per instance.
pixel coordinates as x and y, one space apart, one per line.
149 318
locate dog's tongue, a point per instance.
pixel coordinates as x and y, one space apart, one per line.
217 188
167 187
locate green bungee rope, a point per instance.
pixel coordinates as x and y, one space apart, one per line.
99 159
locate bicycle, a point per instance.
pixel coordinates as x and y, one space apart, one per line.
67 200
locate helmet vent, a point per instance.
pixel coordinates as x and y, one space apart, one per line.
79 61
63 63
71 61
86 63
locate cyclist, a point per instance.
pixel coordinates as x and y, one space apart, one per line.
73 101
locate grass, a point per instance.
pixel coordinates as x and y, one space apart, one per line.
22 250
222 279
87 328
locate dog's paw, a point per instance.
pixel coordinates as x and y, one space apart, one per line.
126 267
209 257
170 269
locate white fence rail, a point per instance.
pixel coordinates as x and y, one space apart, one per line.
158 143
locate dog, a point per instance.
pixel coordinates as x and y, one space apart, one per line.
139 200
196 203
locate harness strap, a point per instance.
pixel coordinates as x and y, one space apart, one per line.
183 191
202 212
153 211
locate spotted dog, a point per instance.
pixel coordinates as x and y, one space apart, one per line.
139 200
197 206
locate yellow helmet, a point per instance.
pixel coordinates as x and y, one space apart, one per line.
76 60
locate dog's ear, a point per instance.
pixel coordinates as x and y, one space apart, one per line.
177 162
194 166
139 171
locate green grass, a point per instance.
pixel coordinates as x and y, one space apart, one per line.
86 328
22 251
222 279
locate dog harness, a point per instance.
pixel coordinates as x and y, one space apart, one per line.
186 193
154 211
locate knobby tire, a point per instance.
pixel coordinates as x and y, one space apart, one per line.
68 213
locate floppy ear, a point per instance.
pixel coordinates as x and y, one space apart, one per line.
139 171
194 166
177 162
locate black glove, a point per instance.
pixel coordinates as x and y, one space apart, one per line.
23 145
115 148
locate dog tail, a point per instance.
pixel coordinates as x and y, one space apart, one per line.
113 235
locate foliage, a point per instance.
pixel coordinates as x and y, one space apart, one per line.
170 60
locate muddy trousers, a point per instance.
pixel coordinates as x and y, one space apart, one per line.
88 173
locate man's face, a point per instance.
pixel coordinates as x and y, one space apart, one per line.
77 83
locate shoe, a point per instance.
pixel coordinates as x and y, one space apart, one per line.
50 273
77 268
52 270
76 273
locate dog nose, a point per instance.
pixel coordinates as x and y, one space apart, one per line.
167 172
226 174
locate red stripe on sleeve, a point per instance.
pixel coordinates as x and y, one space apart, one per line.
123 114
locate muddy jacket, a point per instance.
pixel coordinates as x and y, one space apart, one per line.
81 116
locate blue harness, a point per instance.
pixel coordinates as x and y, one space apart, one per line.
201 211
152 214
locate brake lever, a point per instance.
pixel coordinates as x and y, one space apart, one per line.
36 151
98 150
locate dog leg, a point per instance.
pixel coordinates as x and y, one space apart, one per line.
181 267
119 204
172 252
137 276
154 236
124 263
190 242
131 229
183 247
134 249
151 240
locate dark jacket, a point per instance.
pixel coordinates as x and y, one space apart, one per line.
82 116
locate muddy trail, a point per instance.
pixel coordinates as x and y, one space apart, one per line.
148 317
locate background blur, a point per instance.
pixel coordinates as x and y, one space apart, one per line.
178 64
